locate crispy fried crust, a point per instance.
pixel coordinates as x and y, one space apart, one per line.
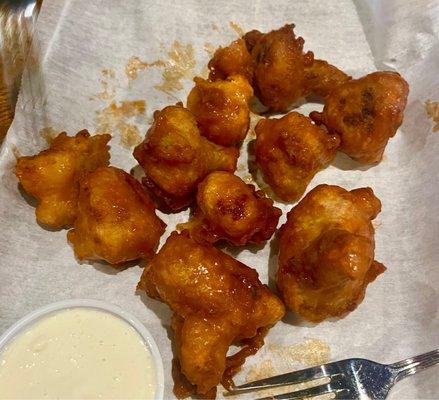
276 66
53 175
229 209
326 257
279 66
116 219
366 113
231 60
221 109
216 301
321 78
175 157
290 151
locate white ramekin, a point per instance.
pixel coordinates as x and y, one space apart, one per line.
30 319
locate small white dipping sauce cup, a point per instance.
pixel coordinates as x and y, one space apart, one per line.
24 346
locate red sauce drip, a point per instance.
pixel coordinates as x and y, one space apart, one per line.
234 363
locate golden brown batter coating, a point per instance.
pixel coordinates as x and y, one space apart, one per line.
116 219
231 60
221 109
280 64
216 301
175 157
274 63
229 209
366 113
326 257
290 151
321 78
53 175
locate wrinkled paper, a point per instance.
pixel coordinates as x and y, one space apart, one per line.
79 74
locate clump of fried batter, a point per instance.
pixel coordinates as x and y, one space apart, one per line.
231 60
53 175
326 257
275 64
229 209
290 151
279 62
366 113
116 219
175 157
217 301
221 109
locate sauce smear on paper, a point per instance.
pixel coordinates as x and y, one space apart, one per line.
135 64
179 66
118 117
432 108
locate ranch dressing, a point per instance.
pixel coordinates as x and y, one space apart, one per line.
78 353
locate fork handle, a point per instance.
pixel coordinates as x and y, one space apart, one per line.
415 364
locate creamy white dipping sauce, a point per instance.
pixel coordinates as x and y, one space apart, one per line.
78 353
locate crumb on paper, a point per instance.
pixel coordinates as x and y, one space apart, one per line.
283 359
179 66
248 179
108 73
15 151
240 168
432 109
112 114
116 117
376 224
261 370
135 64
108 90
209 48
215 27
266 369
129 135
251 133
237 28
48 134
310 352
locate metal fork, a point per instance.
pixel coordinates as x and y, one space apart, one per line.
354 378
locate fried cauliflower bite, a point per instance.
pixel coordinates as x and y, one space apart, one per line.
326 257
280 64
321 78
53 175
229 209
175 157
290 151
116 219
366 113
216 301
221 109
231 60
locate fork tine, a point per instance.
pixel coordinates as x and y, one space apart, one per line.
310 392
289 378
